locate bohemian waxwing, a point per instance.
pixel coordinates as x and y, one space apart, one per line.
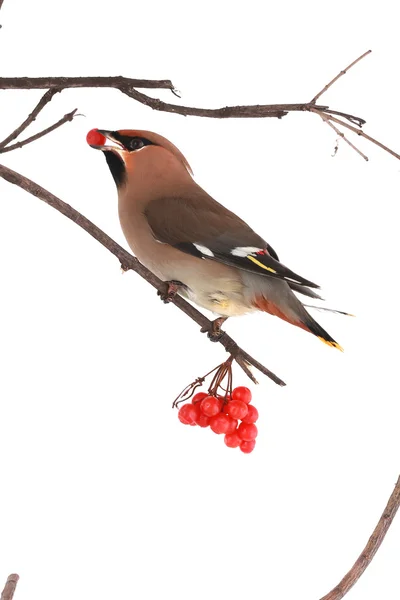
186 238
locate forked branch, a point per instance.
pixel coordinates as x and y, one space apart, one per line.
130 87
359 132
45 99
33 138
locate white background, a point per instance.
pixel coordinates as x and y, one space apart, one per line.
104 494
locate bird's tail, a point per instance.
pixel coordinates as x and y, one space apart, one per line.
289 308
313 327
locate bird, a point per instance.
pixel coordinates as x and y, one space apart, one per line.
201 249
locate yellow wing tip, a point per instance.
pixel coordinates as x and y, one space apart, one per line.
332 344
259 264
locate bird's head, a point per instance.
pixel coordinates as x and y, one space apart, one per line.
139 154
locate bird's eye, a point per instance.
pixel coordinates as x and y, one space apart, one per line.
135 144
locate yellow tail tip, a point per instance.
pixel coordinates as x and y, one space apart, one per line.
332 344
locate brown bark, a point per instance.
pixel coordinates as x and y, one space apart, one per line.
12 580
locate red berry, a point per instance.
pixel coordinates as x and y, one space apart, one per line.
187 414
248 447
252 415
247 432
220 423
232 440
197 398
95 138
210 406
233 423
242 393
202 420
237 409
197 413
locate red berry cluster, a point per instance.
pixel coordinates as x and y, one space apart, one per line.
223 416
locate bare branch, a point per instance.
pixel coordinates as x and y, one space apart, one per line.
1 3
40 105
325 118
328 85
33 138
117 82
130 262
128 86
370 549
12 580
256 111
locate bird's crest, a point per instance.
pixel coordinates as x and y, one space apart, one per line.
158 140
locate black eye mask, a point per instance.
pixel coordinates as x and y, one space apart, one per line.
132 143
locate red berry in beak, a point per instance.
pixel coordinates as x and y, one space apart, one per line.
95 138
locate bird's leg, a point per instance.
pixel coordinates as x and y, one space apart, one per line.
214 333
172 289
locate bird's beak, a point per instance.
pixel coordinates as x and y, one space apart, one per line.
113 145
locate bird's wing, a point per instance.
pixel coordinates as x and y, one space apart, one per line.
200 226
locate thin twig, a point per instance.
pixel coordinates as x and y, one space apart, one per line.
40 105
245 366
328 85
33 138
130 262
370 549
12 580
361 133
325 118
355 120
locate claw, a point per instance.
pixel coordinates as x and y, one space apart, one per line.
214 334
172 290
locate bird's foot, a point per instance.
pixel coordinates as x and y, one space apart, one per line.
173 287
214 333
